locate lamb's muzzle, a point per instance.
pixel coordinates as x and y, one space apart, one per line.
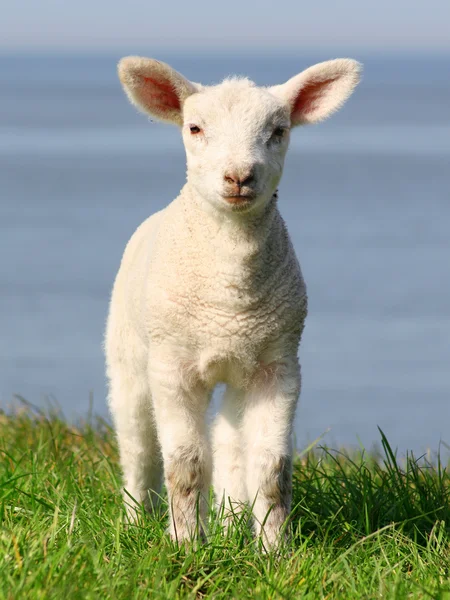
210 290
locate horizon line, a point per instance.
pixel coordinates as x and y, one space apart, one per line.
401 52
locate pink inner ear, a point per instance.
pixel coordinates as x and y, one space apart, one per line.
309 97
159 94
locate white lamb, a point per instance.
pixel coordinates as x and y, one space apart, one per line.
209 291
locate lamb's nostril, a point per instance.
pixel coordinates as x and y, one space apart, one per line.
240 179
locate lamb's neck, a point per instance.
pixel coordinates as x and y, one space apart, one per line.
242 237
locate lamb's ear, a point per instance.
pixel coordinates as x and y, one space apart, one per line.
317 92
155 88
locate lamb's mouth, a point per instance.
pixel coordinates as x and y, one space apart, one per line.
239 200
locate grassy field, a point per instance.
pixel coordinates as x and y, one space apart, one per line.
364 526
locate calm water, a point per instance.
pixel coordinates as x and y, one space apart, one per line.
366 197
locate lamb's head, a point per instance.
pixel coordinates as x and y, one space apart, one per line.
236 134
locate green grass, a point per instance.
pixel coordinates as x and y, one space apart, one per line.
363 526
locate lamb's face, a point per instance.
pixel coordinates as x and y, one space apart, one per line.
236 136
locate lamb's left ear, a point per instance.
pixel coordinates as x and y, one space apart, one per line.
317 92
155 88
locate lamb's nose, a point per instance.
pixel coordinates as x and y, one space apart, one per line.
239 178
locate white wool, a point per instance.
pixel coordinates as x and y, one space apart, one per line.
210 291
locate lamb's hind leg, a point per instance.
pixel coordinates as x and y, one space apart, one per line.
229 465
140 455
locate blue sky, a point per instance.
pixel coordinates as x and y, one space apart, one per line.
375 25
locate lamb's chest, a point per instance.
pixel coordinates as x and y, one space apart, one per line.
230 317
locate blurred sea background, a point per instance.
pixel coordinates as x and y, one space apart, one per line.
366 196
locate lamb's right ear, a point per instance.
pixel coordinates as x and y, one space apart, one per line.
155 88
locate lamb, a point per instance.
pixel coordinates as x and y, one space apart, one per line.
210 291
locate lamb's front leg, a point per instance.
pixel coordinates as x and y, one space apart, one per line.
180 406
267 428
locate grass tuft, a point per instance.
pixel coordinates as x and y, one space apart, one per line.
364 525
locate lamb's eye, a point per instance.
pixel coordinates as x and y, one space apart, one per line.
279 132
194 129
